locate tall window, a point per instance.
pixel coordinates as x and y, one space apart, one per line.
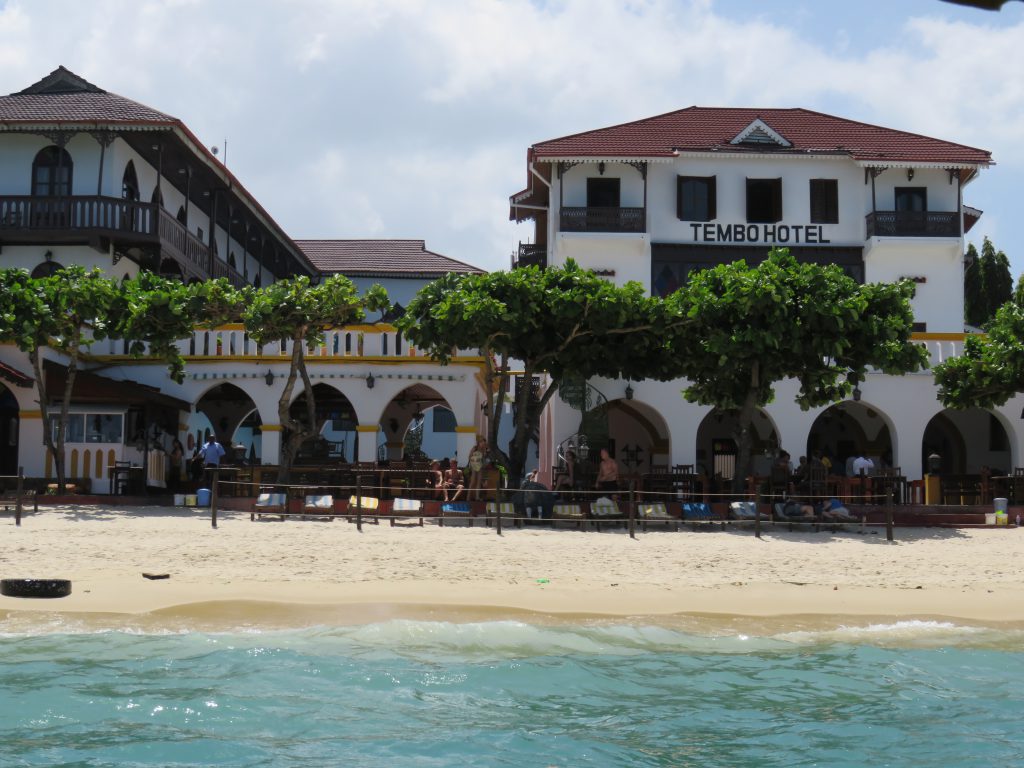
51 172
602 193
824 201
764 201
696 198
912 199
130 183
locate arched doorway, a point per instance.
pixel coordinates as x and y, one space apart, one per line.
968 441
230 414
9 426
638 437
717 448
417 424
171 269
337 438
849 429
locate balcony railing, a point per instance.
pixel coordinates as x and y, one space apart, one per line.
592 219
530 255
25 218
913 224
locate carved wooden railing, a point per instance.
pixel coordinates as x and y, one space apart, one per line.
77 213
181 244
529 255
913 224
591 219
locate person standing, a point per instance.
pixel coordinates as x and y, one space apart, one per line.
176 455
212 453
607 473
477 456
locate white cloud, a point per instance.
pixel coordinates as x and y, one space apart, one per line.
411 118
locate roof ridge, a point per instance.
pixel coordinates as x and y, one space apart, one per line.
617 125
61 80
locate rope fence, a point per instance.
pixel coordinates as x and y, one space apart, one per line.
367 500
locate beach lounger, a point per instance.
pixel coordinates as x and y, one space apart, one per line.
270 504
318 506
745 510
572 512
366 505
604 508
697 512
506 509
656 512
406 508
459 509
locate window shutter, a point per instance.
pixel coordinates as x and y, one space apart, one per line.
712 198
679 197
777 199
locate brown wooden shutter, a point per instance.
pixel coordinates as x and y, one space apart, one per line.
712 198
777 199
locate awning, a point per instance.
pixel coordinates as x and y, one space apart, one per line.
93 389
15 377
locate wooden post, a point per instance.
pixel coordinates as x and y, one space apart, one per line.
19 490
757 513
631 514
497 506
359 503
213 497
888 516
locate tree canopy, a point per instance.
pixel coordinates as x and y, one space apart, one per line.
562 321
296 312
987 283
991 369
755 326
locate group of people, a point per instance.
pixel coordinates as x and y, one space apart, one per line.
450 482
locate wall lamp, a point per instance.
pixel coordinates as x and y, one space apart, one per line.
369 381
629 391
269 378
856 394
910 174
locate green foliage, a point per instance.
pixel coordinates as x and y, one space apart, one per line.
991 369
159 312
987 283
1018 292
562 321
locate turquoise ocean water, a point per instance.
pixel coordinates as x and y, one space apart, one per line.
509 693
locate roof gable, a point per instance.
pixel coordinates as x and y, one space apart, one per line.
380 258
61 80
758 132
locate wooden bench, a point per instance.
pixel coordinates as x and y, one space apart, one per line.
17 500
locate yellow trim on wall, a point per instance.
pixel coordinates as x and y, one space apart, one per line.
270 359
367 428
470 430
30 414
270 427
941 336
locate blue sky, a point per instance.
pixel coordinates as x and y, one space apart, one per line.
411 118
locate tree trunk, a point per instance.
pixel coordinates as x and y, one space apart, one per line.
293 432
44 412
745 435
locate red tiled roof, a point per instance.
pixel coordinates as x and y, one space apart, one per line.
705 129
64 97
380 258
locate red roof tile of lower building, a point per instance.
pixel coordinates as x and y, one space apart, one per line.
697 129
380 258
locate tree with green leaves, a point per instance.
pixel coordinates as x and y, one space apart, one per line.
975 300
1018 292
66 312
294 312
991 369
564 322
997 283
755 326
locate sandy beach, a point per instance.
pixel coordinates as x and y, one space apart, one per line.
312 570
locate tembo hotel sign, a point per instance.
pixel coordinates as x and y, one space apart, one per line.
758 233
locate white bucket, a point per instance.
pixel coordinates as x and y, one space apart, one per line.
990 518
179 499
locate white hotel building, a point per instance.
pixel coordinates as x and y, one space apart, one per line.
654 199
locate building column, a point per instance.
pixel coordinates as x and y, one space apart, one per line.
31 450
367 442
270 444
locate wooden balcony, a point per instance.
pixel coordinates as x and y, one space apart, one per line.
530 255
95 219
590 219
913 224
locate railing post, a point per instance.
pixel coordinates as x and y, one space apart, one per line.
632 509
497 507
17 502
359 502
757 513
888 517
213 497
